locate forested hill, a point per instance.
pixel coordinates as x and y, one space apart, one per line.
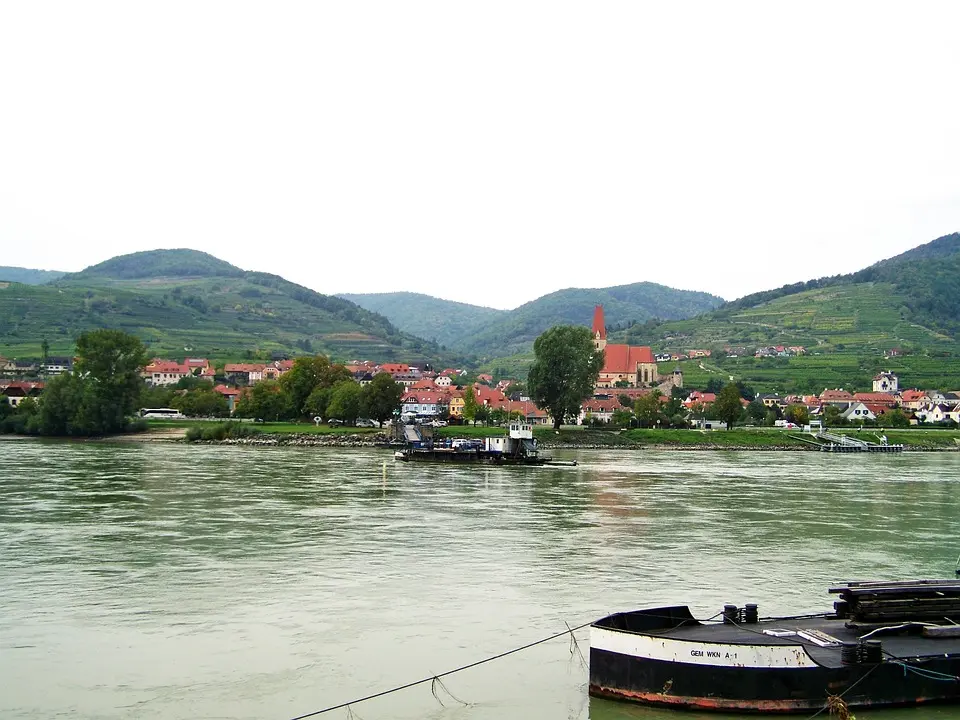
28 276
927 278
901 315
444 321
624 305
188 302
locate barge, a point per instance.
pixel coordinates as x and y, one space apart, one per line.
884 644
518 447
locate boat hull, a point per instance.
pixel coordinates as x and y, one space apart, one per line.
666 658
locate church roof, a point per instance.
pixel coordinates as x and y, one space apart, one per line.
624 358
598 324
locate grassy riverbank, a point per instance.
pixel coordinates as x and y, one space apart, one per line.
577 436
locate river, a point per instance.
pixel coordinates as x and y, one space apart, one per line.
172 581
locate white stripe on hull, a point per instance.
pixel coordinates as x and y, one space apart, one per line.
700 653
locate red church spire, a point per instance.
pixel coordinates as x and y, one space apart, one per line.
598 324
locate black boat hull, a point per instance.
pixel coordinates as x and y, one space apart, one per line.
786 690
664 657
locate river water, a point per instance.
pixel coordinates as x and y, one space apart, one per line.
169 581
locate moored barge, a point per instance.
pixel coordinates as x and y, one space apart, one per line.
885 644
518 447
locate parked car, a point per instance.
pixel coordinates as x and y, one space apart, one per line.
333 422
438 423
367 423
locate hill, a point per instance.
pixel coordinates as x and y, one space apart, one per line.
624 305
28 276
846 323
442 321
185 301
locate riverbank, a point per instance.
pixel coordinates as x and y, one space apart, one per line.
575 438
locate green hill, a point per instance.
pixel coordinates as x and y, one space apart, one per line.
623 305
442 321
185 301
846 323
28 276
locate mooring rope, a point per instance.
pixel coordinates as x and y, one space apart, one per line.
435 679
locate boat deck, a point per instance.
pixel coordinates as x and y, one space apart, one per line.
910 645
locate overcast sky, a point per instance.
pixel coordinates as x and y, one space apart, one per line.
482 152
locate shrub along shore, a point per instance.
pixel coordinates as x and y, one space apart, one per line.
273 434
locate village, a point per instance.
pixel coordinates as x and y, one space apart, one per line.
629 373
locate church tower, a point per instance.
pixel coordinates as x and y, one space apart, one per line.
599 328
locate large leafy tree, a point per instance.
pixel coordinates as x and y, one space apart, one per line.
345 401
727 407
204 402
308 374
381 397
102 392
565 370
797 414
647 409
470 404
264 401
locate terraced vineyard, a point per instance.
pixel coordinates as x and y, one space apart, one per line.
227 315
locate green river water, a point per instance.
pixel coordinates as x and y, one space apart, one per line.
170 581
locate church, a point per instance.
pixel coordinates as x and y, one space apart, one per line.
622 363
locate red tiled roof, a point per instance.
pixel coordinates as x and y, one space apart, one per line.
835 395
624 358
167 366
875 397
242 367
224 390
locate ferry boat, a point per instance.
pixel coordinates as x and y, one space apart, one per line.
885 644
518 447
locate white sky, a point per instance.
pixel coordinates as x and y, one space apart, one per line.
482 152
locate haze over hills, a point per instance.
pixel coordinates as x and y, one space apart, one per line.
444 321
28 276
186 301
497 333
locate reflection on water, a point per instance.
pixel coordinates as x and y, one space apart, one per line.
164 581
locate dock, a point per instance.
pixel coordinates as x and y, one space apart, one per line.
836 443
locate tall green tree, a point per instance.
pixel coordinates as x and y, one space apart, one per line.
797 414
381 397
470 404
102 392
264 401
564 371
306 375
647 409
727 407
345 401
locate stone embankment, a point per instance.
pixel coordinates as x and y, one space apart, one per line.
304 440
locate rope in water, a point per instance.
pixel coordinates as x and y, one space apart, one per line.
434 678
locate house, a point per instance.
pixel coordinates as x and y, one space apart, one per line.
893 352
912 399
635 365
699 398
596 409
876 398
858 412
165 372
200 367
839 397
231 394
18 391
56 365
663 357
443 381
935 413
248 373
19 368
885 382
485 378
773 401
455 403
423 404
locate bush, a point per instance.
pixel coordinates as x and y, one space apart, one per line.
216 432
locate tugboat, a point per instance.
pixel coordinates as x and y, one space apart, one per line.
885 644
517 448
